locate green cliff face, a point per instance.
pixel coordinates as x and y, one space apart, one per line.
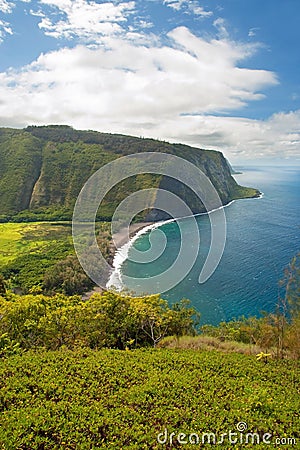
43 169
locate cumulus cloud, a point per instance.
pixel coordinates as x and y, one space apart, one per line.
6 7
194 76
169 92
84 19
240 138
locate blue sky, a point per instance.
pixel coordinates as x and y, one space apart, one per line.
215 74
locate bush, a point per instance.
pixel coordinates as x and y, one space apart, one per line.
108 320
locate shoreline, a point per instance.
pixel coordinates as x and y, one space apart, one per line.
122 237
116 245
119 247
119 252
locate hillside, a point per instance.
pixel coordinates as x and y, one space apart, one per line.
44 168
112 399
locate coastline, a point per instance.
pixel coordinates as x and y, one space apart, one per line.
121 240
119 252
119 247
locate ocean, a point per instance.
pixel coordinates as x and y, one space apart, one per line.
262 237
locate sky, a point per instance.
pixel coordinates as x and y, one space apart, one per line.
215 74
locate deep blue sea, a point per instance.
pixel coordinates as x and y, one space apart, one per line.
262 237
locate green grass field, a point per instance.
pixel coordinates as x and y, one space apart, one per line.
115 400
29 250
18 239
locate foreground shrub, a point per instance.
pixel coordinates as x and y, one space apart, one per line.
106 320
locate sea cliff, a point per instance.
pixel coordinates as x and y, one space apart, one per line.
44 168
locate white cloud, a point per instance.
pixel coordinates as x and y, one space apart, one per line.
6 7
199 11
84 19
38 13
5 29
253 31
240 138
196 76
144 24
169 92
191 6
220 25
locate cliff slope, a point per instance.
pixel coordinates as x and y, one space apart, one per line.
43 169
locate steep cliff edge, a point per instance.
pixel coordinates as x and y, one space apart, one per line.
43 169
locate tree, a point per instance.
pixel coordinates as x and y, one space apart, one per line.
2 285
155 319
183 319
292 283
67 276
288 306
151 316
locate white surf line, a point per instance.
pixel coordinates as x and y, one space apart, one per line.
115 279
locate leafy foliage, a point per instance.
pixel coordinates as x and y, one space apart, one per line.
8 347
113 399
106 320
67 276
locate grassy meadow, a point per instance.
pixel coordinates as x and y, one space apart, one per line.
19 239
32 253
27 250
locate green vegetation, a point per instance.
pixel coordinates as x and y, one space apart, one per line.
111 399
107 320
112 371
19 239
21 159
117 372
118 321
44 168
40 257
245 192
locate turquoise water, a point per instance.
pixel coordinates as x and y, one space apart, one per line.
262 237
